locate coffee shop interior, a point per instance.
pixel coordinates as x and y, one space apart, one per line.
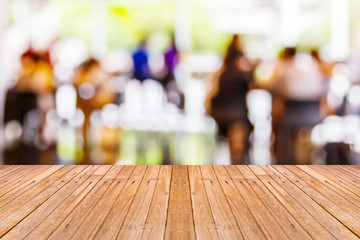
195 82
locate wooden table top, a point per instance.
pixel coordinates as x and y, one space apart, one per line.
179 202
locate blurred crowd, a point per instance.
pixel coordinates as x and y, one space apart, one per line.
298 109
121 109
314 112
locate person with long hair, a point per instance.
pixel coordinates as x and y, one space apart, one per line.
226 101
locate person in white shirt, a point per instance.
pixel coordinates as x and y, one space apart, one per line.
300 84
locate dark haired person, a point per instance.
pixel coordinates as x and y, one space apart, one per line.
94 91
93 86
300 84
141 63
25 107
171 60
226 101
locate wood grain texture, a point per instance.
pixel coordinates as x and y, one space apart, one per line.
337 206
8 194
180 223
205 226
156 219
243 215
10 185
15 211
336 228
92 223
284 219
336 176
110 228
309 223
179 202
8 170
69 226
263 216
134 224
9 178
27 225
225 221
56 217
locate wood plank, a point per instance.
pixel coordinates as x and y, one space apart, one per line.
134 223
180 224
343 172
180 202
346 176
96 217
7 195
29 189
16 174
205 227
10 185
28 224
8 167
339 189
284 219
111 226
73 221
3 167
332 193
156 219
248 225
317 211
349 172
262 215
52 221
334 176
302 216
14 212
333 203
10 170
225 221
355 167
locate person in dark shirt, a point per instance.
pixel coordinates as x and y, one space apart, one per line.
26 104
226 101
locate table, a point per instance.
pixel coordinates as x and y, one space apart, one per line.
179 202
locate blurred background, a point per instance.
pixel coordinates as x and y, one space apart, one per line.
179 82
